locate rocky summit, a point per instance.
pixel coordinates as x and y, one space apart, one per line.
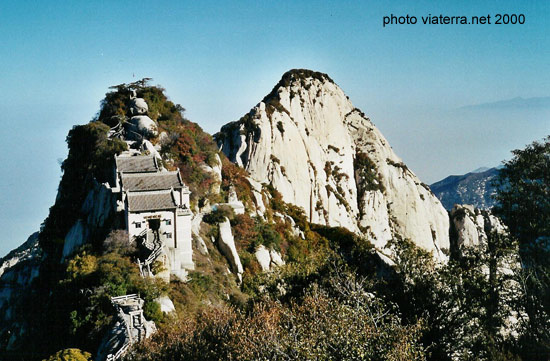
309 142
294 233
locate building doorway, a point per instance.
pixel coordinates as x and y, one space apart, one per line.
154 224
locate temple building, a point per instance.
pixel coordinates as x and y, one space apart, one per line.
157 213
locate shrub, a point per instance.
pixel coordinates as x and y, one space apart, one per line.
118 241
152 312
81 266
265 235
367 171
343 323
244 230
219 215
280 127
70 354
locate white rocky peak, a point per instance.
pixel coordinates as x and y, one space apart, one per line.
308 140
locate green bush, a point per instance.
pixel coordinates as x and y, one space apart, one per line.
219 215
368 173
70 354
280 127
152 312
265 235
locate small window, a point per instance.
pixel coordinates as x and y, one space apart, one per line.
168 235
168 222
138 224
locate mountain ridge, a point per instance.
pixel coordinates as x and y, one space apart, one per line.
323 154
310 198
473 188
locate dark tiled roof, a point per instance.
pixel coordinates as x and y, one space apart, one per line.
151 181
150 201
136 164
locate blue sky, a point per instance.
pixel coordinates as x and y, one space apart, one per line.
219 58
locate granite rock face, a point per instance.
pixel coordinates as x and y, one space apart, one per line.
17 271
98 207
268 259
308 140
473 226
228 248
476 230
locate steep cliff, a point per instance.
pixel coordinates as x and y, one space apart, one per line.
324 155
83 256
307 184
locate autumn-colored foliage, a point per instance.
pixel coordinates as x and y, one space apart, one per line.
345 323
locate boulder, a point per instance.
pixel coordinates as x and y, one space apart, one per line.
263 257
268 258
166 304
138 106
234 202
216 171
144 125
276 258
149 147
473 226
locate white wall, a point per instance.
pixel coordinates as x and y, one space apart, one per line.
179 247
142 217
183 254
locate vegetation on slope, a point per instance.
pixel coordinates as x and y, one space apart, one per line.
334 321
335 299
186 146
91 154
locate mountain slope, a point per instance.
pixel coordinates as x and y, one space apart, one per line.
83 255
472 188
266 283
308 140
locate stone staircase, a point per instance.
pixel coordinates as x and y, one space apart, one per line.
155 245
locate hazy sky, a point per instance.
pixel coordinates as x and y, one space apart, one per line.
218 59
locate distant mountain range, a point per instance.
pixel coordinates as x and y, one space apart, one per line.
473 188
518 102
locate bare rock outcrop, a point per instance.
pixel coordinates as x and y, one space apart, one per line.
166 304
268 258
99 205
473 226
215 169
263 257
228 248
144 125
17 270
138 106
308 140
